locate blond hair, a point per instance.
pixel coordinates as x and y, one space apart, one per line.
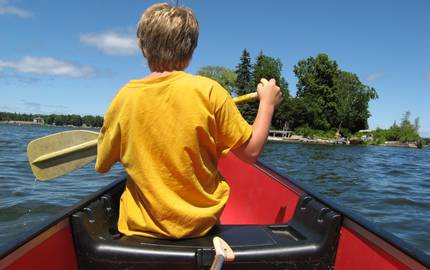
167 36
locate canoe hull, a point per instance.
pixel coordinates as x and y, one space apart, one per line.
259 196
50 249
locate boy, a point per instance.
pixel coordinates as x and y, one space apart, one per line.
170 128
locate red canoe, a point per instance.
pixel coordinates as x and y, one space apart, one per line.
270 221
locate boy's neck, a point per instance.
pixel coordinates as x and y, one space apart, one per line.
156 74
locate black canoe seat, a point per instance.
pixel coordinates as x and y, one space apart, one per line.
307 242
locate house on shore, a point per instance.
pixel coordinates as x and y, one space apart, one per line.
39 121
367 135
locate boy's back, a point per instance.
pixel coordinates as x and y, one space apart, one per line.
170 129
169 133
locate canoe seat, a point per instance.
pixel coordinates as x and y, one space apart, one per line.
308 241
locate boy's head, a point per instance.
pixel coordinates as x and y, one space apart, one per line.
167 36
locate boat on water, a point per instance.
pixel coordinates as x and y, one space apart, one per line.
270 222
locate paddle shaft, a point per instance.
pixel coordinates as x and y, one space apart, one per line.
58 154
93 143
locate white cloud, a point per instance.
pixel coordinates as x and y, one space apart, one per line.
8 9
46 66
375 76
111 43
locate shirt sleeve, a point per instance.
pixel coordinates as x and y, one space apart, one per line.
232 128
109 141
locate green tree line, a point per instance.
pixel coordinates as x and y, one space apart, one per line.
55 119
328 99
405 132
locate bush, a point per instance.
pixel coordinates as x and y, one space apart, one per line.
315 133
304 131
345 133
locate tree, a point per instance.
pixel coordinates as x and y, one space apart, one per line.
316 78
98 122
352 101
224 76
408 131
244 74
49 119
266 67
75 120
331 98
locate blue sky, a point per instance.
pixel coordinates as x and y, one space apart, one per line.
72 56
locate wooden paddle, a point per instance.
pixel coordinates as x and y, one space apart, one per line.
223 253
61 153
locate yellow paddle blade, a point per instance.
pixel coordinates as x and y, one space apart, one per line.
61 153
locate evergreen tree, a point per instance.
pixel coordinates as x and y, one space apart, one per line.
268 68
249 76
244 74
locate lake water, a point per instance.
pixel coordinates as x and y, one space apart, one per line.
390 186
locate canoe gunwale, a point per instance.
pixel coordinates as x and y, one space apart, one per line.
37 230
388 242
34 242
362 226
383 244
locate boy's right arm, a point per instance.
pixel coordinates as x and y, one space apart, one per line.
270 96
109 141
108 148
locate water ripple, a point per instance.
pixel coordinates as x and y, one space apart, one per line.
389 186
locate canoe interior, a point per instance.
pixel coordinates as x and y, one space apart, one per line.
287 219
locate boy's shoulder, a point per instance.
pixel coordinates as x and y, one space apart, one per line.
204 85
203 82
200 79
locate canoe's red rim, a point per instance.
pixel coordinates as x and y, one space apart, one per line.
57 219
394 246
39 239
382 244
388 242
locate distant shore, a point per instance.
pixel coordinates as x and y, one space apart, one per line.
21 123
344 141
300 139
291 139
30 123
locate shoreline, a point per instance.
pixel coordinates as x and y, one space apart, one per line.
340 142
29 123
21 123
308 141
292 139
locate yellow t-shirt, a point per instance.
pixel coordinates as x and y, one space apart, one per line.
169 132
